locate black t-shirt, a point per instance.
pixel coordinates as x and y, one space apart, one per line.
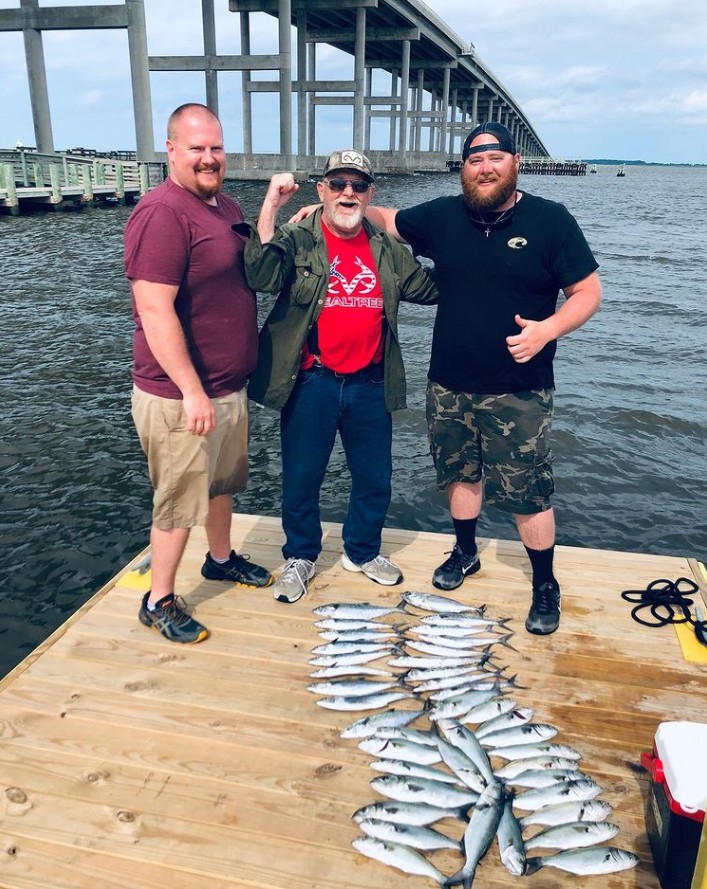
485 280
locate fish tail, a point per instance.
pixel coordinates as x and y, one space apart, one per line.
504 641
512 681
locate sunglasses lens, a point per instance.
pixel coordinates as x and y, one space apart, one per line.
358 185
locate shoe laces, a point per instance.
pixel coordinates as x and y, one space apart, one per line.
381 561
457 558
176 610
296 568
545 598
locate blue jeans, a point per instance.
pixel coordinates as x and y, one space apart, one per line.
321 404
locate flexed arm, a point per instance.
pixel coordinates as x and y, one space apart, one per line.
280 189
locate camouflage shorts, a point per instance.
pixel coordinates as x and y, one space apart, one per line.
500 439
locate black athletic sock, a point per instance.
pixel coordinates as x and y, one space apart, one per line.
541 563
465 530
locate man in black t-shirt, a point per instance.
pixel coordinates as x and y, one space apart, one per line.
501 258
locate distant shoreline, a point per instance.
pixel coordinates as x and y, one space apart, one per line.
607 162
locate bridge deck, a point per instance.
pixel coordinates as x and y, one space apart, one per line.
129 761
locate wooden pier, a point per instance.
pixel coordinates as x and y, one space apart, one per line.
129 762
32 181
542 166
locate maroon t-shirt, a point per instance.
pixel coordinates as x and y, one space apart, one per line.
173 237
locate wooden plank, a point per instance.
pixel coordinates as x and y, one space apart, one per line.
165 765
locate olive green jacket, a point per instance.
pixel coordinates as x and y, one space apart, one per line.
295 264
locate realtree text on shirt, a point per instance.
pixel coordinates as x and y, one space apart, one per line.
350 326
484 280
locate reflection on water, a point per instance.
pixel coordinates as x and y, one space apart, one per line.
631 417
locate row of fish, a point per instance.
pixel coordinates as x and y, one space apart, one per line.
443 666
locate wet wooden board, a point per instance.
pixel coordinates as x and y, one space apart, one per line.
127 760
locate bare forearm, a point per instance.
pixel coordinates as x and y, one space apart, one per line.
384 218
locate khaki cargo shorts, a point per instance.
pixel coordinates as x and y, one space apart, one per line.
500 439
187 470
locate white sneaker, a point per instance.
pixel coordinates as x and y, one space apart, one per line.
380 569
291 585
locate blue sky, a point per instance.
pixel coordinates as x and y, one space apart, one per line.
597 78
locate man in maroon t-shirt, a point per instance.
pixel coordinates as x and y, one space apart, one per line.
195 345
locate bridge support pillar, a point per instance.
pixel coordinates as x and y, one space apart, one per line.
284 18
404 97
37 77
359 77
140 77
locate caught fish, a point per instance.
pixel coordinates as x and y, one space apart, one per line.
525 751
396 855
519 734
362 702
584 862
411 660
459 681
546 777
369 725
566 813
335 623
351 687
479 833
506 720
489 710
348 670
424 838
356 610
488 684
563 791
445 631
576 835
338 648
464 768
413 790
367 636
463 738
470 649
441 668
443 604
412 770
460 704
409 734
401 749
517 766
510 840
463 621
418 814
348 660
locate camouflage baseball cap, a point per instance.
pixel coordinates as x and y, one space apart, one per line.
349 159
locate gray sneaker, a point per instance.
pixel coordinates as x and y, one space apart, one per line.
291 585
380 569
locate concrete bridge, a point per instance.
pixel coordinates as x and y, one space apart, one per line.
439 87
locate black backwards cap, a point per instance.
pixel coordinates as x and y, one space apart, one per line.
505 142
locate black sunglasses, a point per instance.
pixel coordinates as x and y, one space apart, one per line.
360 186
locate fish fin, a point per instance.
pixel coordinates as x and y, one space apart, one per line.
512 681
532 866
504 641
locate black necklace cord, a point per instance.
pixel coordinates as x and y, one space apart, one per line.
668 603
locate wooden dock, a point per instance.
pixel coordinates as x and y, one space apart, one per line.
128 762
31 181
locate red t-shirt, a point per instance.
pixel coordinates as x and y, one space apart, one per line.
172 237
350 326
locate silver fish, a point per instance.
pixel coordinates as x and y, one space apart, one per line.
411 660
369 725
479 833
463 767
463 621
401 857
576 835
463 738
409 734
351 687
517 766
490 709
563 791
444 631
424 838
348 660
412 770
481 685
349 670
413 790
419 814
355 610
366 636
338 648
546 777
460 704
583 862
470 650
443 604
519 734
401 749
509 719
525 751
363 702
335 623
510 840
566 813
445 683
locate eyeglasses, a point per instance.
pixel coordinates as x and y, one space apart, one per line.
360 186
